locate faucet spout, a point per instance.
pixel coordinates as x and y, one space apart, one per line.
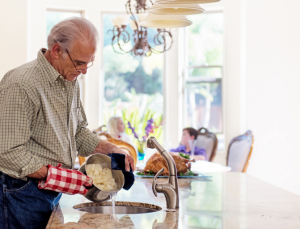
170 189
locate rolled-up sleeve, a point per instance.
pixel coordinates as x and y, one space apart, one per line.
86 141
179 149
200 152
16 115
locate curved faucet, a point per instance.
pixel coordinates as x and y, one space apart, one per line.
170 189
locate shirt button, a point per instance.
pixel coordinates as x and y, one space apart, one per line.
63 88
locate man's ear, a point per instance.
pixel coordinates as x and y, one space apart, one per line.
56 51
193 137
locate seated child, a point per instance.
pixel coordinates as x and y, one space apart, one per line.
190 134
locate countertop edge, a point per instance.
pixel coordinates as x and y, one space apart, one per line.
52 216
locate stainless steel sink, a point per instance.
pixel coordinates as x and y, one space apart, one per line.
120 208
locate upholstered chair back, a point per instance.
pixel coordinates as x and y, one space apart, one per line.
208 141
239 152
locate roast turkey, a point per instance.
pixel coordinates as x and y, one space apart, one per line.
156 162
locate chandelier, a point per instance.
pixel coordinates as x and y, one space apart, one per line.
120 37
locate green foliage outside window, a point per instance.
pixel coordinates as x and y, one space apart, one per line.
133 85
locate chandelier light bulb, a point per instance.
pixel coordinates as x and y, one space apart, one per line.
124 19
175 9
116 22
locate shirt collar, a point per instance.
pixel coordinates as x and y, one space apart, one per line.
49 71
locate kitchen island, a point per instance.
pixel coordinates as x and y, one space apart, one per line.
229 200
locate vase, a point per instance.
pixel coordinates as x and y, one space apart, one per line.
141 155
141 150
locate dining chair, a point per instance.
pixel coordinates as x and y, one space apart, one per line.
100 129
208 141
121 144
239 152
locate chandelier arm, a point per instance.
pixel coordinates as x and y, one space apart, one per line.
112 44
153 50
171 39
141 46
126 36
163 35
120 46
116 38
157 41
128 6
114 31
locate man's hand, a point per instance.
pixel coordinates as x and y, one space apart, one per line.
40 174
105 147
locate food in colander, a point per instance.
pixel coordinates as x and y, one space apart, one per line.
102 178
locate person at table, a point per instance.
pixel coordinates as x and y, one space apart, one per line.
116 128
43 125
189 135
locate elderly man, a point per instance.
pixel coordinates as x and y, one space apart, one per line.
43 124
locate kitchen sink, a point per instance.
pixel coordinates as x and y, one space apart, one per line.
120 207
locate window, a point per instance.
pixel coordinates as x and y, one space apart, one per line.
133 85
54 17
204 73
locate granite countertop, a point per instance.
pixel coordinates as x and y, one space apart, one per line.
230 200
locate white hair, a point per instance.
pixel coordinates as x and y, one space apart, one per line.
112 125
69 30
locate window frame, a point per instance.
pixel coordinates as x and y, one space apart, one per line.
186 79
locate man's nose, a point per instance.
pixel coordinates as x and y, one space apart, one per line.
84 71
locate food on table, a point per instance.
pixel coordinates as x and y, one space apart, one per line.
102 178
186 156
157 162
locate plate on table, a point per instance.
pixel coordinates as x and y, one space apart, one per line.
199 176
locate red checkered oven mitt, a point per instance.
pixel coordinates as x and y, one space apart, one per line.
65 180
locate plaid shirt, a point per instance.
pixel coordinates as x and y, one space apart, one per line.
42 120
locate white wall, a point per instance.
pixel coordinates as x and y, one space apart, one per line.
261 86
13 34
273 94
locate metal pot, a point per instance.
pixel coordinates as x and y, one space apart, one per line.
94 193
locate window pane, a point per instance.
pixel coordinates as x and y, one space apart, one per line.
53 17
133 85
204 106
205 38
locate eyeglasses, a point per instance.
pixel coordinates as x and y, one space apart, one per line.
80 66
